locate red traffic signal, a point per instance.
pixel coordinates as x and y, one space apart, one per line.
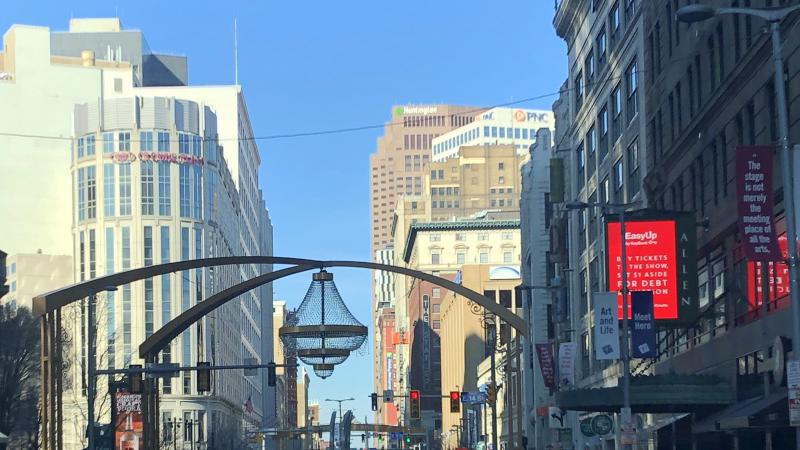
414 407
413 395
455 401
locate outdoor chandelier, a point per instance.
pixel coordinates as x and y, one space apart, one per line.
323 331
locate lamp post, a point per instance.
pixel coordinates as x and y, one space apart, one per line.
625 413
773 16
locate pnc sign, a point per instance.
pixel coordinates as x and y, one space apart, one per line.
661 252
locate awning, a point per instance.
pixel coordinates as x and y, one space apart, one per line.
3 439
739 415
663 420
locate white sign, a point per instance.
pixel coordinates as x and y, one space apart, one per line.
566 363
793 374
556 418
793 383
606 328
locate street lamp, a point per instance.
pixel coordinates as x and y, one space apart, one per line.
774 16
340 400
626 360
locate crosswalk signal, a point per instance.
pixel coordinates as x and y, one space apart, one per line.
491 394
455 401
271 374
414 408
135 379
374 398
204 377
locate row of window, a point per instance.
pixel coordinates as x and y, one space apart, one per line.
190 144
155 190
483 257
494 132
505 235
436 121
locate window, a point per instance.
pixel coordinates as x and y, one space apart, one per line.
591 147
633 168
148 188
435 258
602 124
619 180
580 157
125 189
632 88
164 186
461 258
163 141
185 192
601 49
578 86
630 10
437 324
87 193
508 257
436 292
461 236
613 23
81 150
89 144
108 142
148 283
124 143
500 166
109 205
146 141
436 308
501 179
616 113
483 257
588 67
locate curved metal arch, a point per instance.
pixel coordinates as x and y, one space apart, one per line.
45 303
161 338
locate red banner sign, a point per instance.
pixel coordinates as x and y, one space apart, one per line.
652 263
754 191
545 354
128 429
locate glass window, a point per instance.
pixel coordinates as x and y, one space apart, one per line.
486 131
632 88
483 257
148 188
436 292
435 258
81 193
108 142
461 258
109 204
147 238
185 192
81 148
164 186
163 141
494 131
124 143
601 48
146 141
125 189
507 257
524 133
502 132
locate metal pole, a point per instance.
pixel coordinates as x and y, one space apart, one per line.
788 194
509 391
626 362
493 370
90 369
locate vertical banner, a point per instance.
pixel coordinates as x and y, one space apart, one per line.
754 192
686 264
643 329
793 383
129 428
546 364
606 327
566 363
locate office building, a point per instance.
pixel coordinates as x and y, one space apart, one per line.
496 126
476 178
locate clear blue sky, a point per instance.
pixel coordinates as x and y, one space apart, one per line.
316 65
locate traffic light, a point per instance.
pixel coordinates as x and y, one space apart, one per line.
135 379
204 377
455 401
408 439
271 374
413 396
491 393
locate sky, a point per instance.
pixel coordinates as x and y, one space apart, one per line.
320 65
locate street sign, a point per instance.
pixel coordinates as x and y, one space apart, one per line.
556 417
793 383
388 396
602 424
473 398
395 435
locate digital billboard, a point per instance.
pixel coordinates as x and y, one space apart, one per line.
661 257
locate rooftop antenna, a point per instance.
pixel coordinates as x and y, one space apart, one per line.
235 51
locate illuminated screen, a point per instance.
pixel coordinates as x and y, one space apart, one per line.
652 263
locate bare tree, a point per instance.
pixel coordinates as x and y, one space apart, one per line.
19 369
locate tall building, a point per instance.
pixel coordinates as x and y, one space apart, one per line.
396 170
28 275
286 398
506 126
472 251
396 167
127 178
477 178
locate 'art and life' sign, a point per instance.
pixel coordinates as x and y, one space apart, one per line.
606 327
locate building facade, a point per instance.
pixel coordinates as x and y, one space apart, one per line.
496 126
28 275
